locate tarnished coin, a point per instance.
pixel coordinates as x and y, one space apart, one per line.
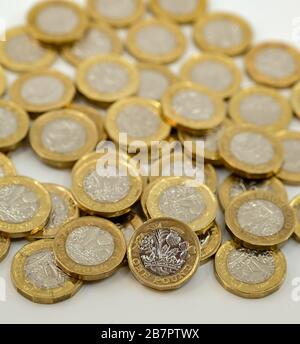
251 152
115 12
184 200
4 246
42 90
216 72
89 248
180 11
57 21
273 64
154 80
20 52
2 81
295 100
164 254
7 168
98 39
261 106
14 125
249 273
61 137
260 219
156 41
25 206
210 241
36 276
192 107
107 78
295 204
224 33
234 186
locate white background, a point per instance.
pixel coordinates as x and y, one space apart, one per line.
121 299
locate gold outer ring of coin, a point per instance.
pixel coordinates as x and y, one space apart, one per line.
203 221
166 58
30 291
56 159
225 188
92 272
73 211
12 141
15 91
260 77
2 81
209 249
4 246
39 220
294 203
88 91
116 44
238 49
286 112
39 34
113 130
45 60
116 22
295 100
177 120
176 280
250 291
145 195
250 240
7 166
187 68
181 18
246 170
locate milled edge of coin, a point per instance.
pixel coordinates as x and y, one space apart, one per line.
186 68
2 81
27 289
153 281
56 39
47 59
4 246
295 100
158 59
214 242
231 51
7 166
260 242
93 272
294 203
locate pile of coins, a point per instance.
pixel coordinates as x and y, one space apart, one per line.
163 226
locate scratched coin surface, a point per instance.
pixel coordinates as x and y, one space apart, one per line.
4 245
295 204
7 168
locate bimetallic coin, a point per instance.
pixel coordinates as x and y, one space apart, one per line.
251 152
295 100
98 39
156 41
2 81
20 52
164 254
4 246
273 64
25 206
234 186
118 13
36 276
223 33
57 21
249 273
260 219
192 107
89 248
128 224
210 241
216 72
295 204
7 168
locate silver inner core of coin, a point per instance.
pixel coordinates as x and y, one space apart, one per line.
241 185
43 89
106 189
90 245
251 266
212 74
153 84
251 148
116 9
63 136
193 105
40 270
18 204
127 229
291 155
2 172
275 63
138 121
260 109
156 40
260 217
57 20
223 33
164 252
179 7
182 203
8 123
59 213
